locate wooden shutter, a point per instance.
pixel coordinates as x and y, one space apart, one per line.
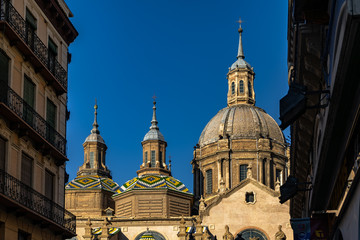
4 67
31 20
49 185
26 170
2 153
51 113
29 92
52 47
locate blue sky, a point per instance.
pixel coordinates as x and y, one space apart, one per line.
127 51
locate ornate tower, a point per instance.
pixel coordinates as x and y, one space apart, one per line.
240 79
94 152
90 192
154 150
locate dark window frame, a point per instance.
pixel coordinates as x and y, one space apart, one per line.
209 181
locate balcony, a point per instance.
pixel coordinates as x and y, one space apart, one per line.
22 199
32 48
27 122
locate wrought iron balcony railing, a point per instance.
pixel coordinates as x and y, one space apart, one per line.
9 14
26 196
23 110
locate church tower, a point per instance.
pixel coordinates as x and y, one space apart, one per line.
154 150
94 153
90 192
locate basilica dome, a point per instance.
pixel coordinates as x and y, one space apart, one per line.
241 122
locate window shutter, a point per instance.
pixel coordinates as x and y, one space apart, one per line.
51 113
29 92
52 47
4 67
2 153
31 20
49 185
26 170
91 159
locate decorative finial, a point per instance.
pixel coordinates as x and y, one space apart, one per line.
95 124
154 122
240 49
169 162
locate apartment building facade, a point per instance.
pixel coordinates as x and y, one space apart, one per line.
34 40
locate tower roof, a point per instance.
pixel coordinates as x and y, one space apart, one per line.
154 132
95 133
240 62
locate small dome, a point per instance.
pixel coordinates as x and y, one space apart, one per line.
95 137
93 182
154 182
154 134
240 63
241 122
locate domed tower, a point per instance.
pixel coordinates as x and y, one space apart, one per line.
154 193
90 192
241 141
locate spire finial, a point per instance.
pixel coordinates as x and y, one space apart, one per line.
169 162
154 122
240 49
95 124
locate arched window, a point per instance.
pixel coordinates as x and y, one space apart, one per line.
232 88
241 86
209 181
251 234
155 235
243 172
249 88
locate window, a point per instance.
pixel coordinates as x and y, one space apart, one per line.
209 181
241 86
51 113
153 161
99 158
91 159
4 70
26 170
264 171
146 157
249 197
31 26
232 88
53 51
272 174
2 153
243 172
249 88
279 176
29 98
23 235
49 184
160 157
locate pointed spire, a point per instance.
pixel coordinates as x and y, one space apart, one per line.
95 124
154 122
240 50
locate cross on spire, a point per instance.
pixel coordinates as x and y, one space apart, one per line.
240 21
